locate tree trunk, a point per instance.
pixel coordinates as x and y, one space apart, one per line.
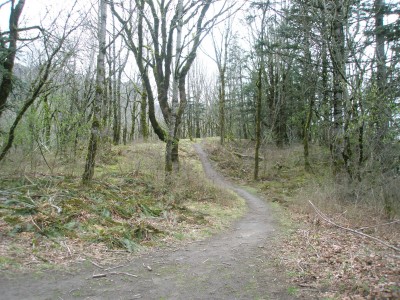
339 70
347 150
325 88
100 93
171 149
360 138
133 117
46 121
258 122
125 129
280 111
381 106
143 115
10 53
115 99
308 92
222 106
306 135
271 93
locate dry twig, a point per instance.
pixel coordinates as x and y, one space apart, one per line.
64 243
93 263
326 219
113 273
378 225
113 268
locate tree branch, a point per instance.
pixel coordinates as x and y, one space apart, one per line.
326 219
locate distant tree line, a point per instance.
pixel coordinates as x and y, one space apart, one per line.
320 72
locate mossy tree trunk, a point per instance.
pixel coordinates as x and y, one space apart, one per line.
99 95
381 107
144 130
308 90
9 53
259 92
133 117
171 150
259 86
339 71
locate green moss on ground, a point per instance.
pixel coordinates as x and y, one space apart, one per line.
126 207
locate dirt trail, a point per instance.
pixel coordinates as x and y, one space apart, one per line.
234 264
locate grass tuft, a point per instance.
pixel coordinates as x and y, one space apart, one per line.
126 207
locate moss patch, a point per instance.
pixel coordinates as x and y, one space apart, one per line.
127 207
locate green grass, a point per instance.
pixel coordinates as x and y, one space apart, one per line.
6 262
293 291
127 205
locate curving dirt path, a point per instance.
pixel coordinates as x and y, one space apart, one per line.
234 264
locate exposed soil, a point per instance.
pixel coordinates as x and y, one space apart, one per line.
235 264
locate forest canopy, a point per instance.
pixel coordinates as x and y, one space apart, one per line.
312 72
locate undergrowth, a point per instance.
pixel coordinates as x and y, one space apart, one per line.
325 260
126 207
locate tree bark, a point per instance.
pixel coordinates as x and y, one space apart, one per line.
308 92
143 114
258 121
259 93
11 51
337 52
172 139
221 58
222 107
100 93
381 106
133 116
125 129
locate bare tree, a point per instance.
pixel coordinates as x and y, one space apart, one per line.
52 57
221 46
99 94
339 11
168 64
259 85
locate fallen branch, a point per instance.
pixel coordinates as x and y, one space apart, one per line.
107 269
113 268
326 219
147 267
123 273
101 275
93 263
51 199
36 225
246 156
64 243
117 251
383 224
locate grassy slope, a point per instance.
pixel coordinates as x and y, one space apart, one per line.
321 259
48 219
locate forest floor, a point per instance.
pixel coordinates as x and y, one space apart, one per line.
239 262
202 242
341 242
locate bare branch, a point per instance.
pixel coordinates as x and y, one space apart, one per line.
326 219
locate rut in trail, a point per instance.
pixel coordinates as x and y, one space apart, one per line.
235 264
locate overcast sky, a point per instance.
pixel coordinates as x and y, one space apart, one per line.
36 10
